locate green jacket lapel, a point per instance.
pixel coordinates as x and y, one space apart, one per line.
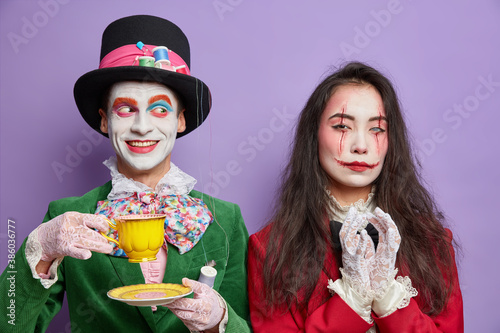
177 265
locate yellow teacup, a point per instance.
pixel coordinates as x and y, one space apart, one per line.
140 236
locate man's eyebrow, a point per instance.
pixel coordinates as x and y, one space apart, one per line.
160 98
342 115
128 100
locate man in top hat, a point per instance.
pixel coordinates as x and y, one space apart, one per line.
142 97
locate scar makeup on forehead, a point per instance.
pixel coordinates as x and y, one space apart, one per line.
122 100
160 98
342 117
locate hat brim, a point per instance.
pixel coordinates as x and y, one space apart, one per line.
90 87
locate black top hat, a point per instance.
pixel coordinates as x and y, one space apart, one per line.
124 42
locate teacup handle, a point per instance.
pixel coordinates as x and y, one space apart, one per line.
114 227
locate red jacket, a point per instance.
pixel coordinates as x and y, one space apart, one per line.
327 313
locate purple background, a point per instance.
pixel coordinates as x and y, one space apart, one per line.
261 62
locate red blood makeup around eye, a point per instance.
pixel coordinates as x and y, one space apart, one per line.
376 134
381 118
341 141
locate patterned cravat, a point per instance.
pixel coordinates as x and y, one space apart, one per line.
186 221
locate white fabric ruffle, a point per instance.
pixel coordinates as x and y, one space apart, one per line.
337 212
33 254
175 181
396 296
359 300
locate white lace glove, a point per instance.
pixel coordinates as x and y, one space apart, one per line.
382 266
203 312
357 251
70 234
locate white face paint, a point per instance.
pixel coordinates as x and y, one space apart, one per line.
142 124
352 137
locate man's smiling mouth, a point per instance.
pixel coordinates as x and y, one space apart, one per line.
141 143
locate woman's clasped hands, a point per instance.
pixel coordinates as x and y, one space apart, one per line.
369 271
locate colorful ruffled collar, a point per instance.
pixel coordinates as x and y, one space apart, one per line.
187 218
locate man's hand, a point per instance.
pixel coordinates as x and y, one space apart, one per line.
71 234
204 312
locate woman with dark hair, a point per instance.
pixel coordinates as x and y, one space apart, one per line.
356 243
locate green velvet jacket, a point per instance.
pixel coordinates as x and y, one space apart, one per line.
86 282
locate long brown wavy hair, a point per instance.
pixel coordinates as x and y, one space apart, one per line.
293 262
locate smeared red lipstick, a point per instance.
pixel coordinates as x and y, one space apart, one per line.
141 146
357 166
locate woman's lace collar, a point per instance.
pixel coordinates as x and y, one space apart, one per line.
175 181
337 212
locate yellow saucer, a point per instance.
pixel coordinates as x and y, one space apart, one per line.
149 294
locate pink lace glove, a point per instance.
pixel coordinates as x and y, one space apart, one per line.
203 312
357 251
382 265
70 234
